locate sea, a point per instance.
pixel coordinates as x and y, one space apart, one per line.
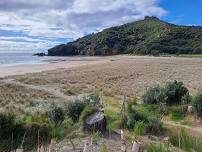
11 59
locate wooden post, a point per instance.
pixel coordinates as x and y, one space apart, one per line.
136 147
19 150
42 149
38 142
86 146
52 146
123 144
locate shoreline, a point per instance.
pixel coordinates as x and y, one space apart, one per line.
49 64
55 63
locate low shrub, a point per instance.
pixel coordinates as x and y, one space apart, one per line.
155 95
186 99
174 92
9 124
56 115
33 130
74 109
96 137
132 118
171 94
197 104
177 114
140 128
154 126
10 129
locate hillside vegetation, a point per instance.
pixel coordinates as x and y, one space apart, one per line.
150 36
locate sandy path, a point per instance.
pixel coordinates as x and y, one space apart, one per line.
194 130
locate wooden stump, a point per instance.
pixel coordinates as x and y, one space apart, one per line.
96 122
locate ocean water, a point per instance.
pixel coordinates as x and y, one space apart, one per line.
9 59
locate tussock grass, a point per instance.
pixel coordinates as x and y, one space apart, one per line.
186 141
15 98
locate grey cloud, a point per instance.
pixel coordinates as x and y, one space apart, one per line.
71 18
13 5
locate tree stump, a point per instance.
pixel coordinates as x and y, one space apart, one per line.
96 122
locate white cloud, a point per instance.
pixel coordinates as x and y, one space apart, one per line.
70 18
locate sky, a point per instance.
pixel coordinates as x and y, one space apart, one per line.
37 25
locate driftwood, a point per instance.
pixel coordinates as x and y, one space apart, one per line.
96 122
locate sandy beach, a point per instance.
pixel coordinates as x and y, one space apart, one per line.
61 79
51 64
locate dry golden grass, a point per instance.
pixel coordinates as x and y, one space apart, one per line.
15 98
129 76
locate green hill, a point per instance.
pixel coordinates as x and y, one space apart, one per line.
148 36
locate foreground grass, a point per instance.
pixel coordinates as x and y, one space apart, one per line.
15 98
186 141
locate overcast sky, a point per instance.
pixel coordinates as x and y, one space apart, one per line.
36 25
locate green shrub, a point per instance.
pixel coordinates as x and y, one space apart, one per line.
10 128
171 94
155 95
186 99
9 124
154 126
75 108
56 115
140 128
197 104
177 114
96 137
132 118
113 120
174 92
13 130
32 130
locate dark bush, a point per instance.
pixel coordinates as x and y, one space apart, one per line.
197 104
154 126
175 91
32 131
74 109
10 125
56 115
132 115
132 118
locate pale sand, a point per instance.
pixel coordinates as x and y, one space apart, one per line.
61 63
117 75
